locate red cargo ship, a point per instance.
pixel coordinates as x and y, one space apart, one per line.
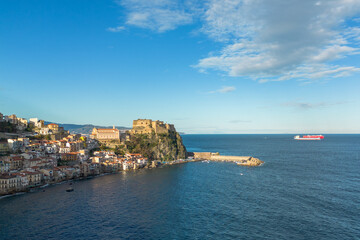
309 137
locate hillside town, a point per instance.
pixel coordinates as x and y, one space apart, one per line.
33 154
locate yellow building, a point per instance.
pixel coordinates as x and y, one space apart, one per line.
106 133
54 127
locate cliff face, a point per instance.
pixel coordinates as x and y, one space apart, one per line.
165 146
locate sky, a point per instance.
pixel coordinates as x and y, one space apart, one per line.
210 66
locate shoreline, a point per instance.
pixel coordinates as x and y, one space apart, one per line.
46 185
158 165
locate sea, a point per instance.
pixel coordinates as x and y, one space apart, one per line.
304 190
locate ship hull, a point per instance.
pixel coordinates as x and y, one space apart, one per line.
309 137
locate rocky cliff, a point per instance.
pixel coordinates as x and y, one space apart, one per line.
165 146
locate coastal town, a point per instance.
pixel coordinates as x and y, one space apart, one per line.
34 154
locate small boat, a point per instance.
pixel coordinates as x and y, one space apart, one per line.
70 189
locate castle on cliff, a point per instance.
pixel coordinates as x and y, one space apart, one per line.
147 126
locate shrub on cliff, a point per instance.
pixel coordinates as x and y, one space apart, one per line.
166 147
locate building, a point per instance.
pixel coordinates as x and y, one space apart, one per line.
24 181
23 121
16 162
45 131
53 127
4 166
147 126
34 178
71 156
37 123
9 183
106 134
25 141
11 119
4 147
15 145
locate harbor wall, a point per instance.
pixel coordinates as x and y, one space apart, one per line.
241 160
217 157
205 155
229 158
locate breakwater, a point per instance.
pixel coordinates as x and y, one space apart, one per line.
241 160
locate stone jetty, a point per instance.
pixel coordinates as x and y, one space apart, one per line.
240 160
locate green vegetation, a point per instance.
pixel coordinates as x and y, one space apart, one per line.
41 137
118 149
30 128
166 147
91 152
7 127
103 147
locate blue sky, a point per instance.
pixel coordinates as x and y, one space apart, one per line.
215 66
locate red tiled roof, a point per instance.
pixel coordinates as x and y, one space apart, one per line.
108 129
31 173
6 176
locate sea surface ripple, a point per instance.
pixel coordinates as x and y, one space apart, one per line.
305 190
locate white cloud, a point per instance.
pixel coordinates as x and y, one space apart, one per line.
264 40
280 39
157 15
312 72
224 89
308 105
332 52
116 29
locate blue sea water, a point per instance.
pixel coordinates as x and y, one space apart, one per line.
305 190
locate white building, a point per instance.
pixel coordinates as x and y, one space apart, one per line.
15 145
45 131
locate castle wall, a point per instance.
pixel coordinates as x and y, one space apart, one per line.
147 126
142 123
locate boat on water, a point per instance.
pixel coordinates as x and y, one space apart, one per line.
309 137
70 188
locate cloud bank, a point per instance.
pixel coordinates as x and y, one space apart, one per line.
116 29
263 40
308 105
224 89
